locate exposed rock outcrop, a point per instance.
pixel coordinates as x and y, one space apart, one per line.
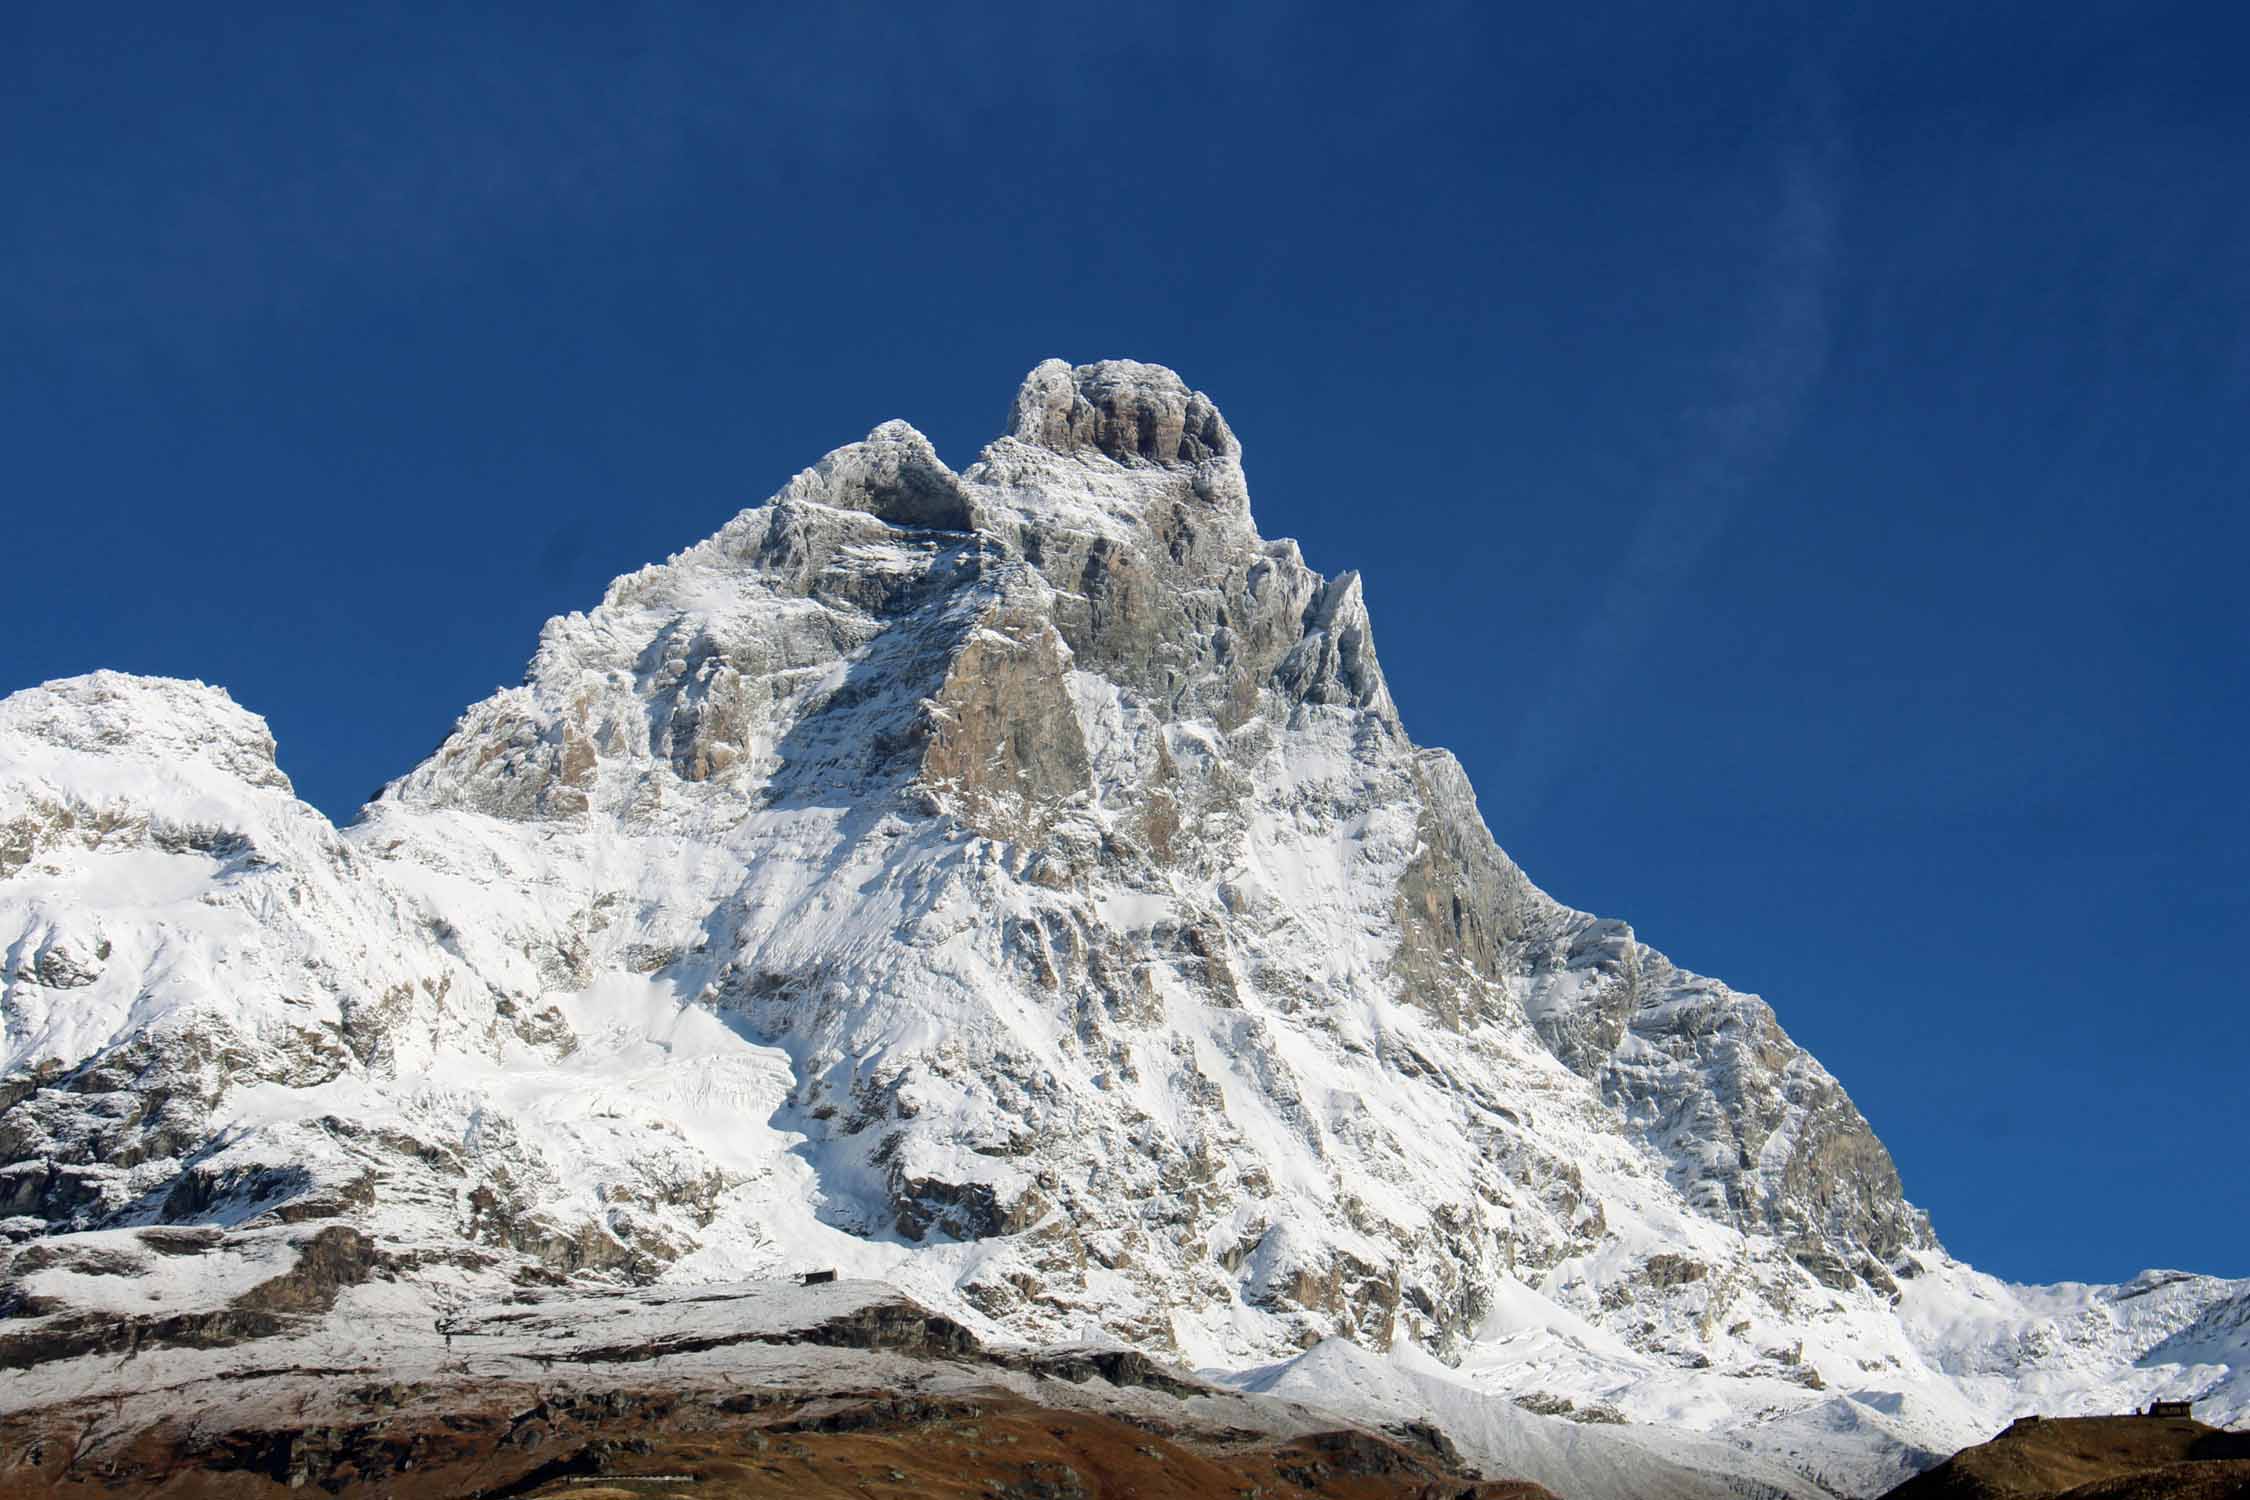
895 476
1125 410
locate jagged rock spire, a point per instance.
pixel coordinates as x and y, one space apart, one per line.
1129 411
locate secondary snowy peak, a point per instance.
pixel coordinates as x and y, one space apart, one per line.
185 728
1014 883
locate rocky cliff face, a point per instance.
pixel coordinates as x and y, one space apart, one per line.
1015 883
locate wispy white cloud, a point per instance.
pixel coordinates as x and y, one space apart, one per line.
1759 385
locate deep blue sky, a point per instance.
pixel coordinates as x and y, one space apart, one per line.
1797 456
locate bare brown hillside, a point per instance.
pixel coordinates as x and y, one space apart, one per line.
715 1446
2093 1458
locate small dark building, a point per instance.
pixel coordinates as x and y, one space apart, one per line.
2170 1409
815 1278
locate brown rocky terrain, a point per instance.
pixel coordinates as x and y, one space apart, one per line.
836 1388
431 1440
2093 1458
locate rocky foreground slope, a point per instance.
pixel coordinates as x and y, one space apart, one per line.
1016 886
2093 1458
846 1389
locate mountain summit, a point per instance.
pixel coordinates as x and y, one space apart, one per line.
1015 885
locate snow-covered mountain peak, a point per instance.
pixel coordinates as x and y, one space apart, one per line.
1016 884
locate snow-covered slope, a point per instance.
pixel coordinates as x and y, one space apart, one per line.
1015 885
